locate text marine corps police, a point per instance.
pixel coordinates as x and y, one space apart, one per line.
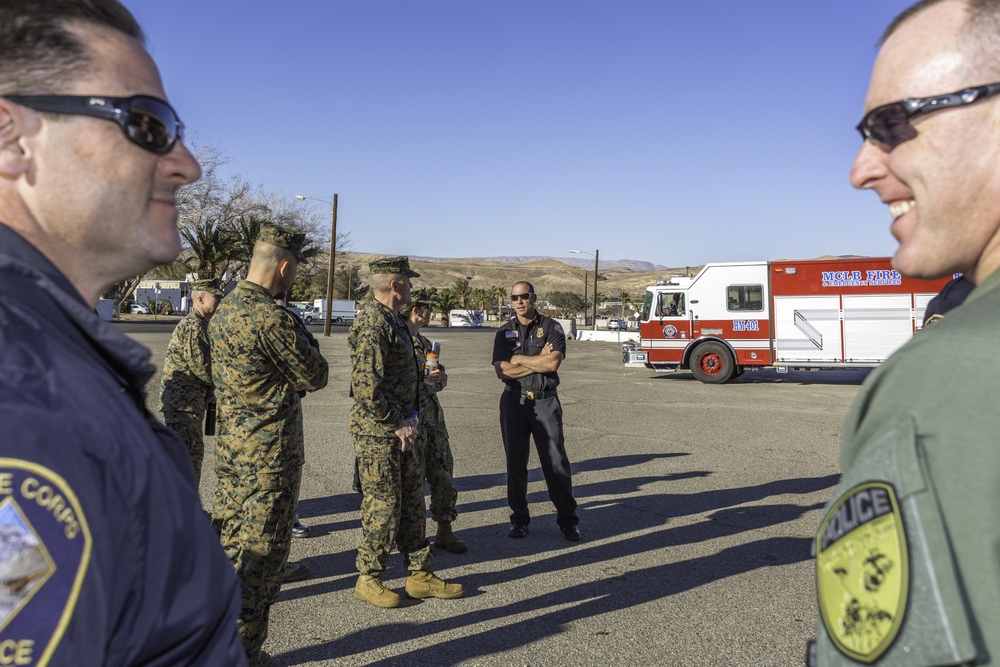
44 549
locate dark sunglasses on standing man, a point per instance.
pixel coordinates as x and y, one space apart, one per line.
148 122
521 297
889 125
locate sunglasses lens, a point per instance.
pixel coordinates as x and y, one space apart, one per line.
152 124
519 297
889 126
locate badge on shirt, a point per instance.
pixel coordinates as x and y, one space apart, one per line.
539 333
45 547
862 571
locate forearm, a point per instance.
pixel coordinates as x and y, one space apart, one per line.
509 371
542 363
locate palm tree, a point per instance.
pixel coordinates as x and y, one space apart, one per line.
498 294
462 292
446 302
626 300
245 230
211 248
480 298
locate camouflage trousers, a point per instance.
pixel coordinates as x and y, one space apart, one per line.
434 453
253 514
189 426
392 509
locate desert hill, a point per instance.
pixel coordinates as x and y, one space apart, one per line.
545 273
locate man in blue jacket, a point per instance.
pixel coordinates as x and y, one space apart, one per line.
106 557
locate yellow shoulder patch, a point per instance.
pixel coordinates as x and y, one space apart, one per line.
862 571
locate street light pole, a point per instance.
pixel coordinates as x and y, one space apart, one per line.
333 260
596 254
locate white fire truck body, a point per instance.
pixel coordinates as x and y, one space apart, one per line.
838 313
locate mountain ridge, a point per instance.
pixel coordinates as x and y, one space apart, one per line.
579 262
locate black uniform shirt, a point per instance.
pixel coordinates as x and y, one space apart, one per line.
516 338
950 296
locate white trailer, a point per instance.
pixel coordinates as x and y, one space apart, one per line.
341 311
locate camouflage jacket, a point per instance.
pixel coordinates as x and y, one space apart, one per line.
262 360
383 371
187 370
430 407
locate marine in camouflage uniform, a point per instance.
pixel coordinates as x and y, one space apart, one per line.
433 447
264 361
384 386
187 372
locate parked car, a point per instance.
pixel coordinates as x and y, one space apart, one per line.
139 309
617 325
312 314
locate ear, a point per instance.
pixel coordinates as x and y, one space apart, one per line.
14 160
286 269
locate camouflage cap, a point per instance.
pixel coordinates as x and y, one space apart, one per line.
208 285
421 297
393 265
288 238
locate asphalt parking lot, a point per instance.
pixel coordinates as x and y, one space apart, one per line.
697 503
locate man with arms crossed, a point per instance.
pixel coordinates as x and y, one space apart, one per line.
108 558
527 352
908 567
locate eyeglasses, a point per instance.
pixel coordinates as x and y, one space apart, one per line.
889 125
522 297
148 122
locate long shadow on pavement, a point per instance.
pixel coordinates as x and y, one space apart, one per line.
615 592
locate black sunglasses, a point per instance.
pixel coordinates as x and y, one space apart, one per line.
521 297
148 122
889 125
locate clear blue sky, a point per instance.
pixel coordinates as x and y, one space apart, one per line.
673 132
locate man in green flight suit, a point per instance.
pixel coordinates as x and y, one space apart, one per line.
187 372
383 422
908 567
263 363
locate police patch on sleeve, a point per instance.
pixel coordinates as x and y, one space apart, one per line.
558 328
45 547
862 571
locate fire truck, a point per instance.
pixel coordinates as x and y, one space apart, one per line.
804 314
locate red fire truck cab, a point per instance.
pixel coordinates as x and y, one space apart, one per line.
837 313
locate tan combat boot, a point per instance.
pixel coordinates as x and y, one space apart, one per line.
422 585
371 590
446 539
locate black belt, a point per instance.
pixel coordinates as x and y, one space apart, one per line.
533 395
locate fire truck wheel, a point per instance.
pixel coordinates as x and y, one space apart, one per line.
712 363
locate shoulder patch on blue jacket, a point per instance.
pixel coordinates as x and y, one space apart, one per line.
45 546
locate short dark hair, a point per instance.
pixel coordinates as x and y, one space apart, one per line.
531 288
981 31
39 53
